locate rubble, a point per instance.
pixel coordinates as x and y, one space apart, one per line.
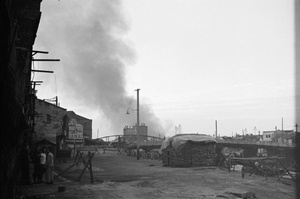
191 155
189 151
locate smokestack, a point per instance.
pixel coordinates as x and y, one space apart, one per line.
216 124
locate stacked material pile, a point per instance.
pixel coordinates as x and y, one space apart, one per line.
189 150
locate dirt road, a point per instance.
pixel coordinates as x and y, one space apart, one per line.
119 176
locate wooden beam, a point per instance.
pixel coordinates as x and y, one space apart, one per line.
38 51
66 170
45 59
88 165
42 71
36 81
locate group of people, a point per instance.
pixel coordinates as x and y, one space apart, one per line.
43 162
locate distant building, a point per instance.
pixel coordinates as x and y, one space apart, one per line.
226 138
268 136
129 130
59 126
251 138
76 128
287 136
239 137
276 135
48 120
141 130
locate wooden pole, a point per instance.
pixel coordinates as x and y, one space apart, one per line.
91 170
88 165
75 163
45 59
42 71
138 124
39 51
281 130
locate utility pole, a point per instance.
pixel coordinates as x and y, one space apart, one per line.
282 130
137 124
138 108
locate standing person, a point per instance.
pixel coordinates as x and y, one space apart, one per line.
42 166
49 166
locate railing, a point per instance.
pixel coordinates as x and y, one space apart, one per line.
150 143
151 140
140 137
266 143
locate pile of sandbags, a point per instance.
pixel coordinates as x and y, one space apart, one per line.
192 154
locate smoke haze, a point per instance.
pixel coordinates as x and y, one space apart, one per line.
88 37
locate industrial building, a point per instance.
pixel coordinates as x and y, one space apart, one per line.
137 130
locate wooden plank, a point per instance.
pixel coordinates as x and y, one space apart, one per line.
259 158
39 51
45 59
91 169
87 164
287 171
65 170
42 71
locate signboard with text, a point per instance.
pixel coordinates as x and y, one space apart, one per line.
71 141
75 130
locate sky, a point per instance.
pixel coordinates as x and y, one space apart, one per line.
195 61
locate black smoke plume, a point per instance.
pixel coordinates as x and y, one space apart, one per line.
88 37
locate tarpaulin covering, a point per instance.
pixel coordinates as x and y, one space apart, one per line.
178 141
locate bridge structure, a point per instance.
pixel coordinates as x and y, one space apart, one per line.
145 142
250 147
261 144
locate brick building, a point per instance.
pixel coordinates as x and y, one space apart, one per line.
141 130
75 123
48 121
59 126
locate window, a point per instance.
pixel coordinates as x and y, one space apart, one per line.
268 136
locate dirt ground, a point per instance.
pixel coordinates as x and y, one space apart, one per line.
119 176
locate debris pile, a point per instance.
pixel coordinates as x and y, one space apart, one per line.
189 151
247 195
